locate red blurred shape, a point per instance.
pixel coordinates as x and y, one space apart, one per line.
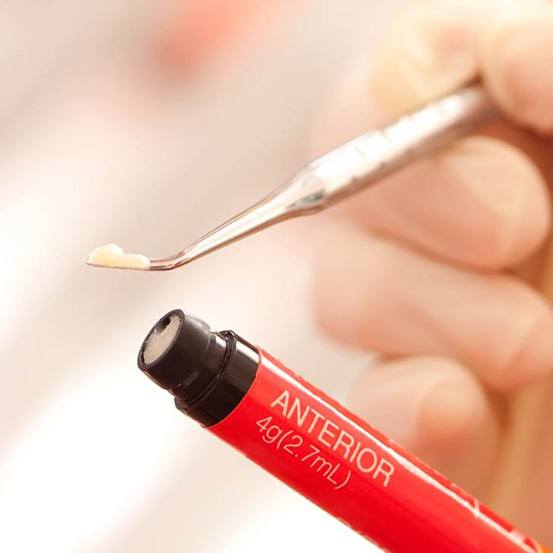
202 29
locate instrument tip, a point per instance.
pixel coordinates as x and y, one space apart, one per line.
113 256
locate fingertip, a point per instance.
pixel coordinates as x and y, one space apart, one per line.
429 403
508 193
516 54
457 429
426 205
428 52
436 408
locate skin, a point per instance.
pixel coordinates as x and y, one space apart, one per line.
446 268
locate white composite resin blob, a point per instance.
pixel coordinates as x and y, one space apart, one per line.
111 255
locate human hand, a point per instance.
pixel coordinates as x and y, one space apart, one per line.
446 268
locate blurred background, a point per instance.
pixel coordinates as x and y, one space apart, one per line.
146 123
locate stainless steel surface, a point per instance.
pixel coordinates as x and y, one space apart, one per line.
350 168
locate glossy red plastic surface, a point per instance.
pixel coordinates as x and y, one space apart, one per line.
356 474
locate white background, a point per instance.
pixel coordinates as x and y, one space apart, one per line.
98 146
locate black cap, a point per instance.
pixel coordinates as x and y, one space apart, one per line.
191 358
208 372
